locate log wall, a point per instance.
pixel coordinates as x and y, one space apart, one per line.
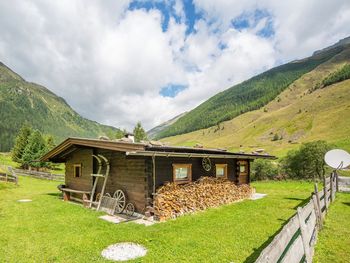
164 168
84 182
127 174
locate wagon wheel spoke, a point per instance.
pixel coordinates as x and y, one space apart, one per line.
120 198
130 209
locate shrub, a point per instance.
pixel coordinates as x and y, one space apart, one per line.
275 137
307 162
263 170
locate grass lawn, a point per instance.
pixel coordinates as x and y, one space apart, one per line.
333 243
50 230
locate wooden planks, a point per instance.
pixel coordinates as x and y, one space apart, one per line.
276 248
291 245
295 252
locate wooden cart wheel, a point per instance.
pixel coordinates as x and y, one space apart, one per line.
130 209
121 200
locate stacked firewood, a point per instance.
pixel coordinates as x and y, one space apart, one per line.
173 200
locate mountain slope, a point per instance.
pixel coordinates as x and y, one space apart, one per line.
297 115
248 95
152 133
22 101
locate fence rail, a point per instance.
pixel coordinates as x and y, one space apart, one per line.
297 239
40 175
9 176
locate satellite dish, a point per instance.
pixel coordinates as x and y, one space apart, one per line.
337 159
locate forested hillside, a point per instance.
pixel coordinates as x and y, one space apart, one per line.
247 96
21 101
299 114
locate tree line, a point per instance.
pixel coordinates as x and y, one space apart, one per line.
307 162
30 145
339 75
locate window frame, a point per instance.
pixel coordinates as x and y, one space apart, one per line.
74 170
189 175
221 165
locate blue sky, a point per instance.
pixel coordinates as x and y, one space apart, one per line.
119 62
168 10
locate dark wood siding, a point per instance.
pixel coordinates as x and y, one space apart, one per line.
84 182
164 168
127 174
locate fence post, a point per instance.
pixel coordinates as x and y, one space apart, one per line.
336 181
317 211
318 202
325 194
331 186
303 231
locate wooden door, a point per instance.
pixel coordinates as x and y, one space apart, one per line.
243 172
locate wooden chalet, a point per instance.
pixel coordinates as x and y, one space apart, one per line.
140 168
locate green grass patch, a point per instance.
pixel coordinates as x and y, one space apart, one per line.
49 229
5 159
333 241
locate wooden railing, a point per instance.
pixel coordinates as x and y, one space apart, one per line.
40 175
297 239
9 176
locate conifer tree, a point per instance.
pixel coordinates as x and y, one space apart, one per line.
139 133
21 142
35 148
50 142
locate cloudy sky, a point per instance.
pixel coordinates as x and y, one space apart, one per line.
119 62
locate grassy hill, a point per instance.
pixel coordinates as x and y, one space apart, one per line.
300 113
22 101
248 95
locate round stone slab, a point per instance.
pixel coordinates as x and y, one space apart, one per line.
24 200
124 251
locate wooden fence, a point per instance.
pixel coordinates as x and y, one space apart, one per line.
9 176
297 239
40 175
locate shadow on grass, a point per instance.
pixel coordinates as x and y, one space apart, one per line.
257 251
54 194
302 203
346 203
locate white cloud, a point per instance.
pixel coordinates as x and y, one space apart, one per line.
110 63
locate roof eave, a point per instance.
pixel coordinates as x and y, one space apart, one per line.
200 155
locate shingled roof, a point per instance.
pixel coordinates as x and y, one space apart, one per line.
141 149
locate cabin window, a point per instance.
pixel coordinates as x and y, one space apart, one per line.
221 171
77 170
182 173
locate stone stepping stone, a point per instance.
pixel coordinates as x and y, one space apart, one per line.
257 196
124 251
24 200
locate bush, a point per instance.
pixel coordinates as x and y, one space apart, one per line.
263 170
307 162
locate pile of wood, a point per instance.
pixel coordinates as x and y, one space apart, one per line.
173 200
